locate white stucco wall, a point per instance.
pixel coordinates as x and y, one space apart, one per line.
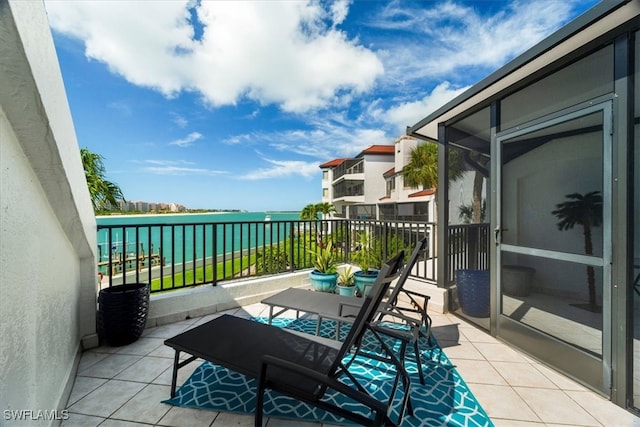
48 232
374 183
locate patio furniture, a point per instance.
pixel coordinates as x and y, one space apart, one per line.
299 365
122 313
342 309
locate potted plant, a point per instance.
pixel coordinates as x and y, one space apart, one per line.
346 283
368 260
472 287
325 266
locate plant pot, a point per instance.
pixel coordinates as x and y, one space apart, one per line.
364 281
323 282
122 313
348 291
516 280
473 292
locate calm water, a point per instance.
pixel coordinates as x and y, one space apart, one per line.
192 234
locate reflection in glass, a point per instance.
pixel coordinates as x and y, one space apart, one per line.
552 179
549 295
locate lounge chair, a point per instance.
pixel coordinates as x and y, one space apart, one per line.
300 365
342 309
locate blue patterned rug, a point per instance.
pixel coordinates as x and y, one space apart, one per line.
445 399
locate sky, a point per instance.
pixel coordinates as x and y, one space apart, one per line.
235 104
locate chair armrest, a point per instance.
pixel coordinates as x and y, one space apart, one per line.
343 305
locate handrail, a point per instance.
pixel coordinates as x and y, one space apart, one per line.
171 256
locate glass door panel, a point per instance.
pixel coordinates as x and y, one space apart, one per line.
553 239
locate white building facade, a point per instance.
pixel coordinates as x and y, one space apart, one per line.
370 185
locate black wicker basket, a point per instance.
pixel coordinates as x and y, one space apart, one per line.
122 313
473 292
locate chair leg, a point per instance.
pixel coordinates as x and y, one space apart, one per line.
416 350
260 396
174 375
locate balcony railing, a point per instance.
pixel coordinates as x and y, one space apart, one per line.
348 167
468 247
171 256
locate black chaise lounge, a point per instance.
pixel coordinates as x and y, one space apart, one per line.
342 309
300 365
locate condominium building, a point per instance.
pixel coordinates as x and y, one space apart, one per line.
370 185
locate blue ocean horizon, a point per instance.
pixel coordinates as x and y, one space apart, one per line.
181 237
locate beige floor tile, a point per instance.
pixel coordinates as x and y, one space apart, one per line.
110 366
255 310
166 331
226 419
90 358
183 374
83 386
163 351
478 371
145 370
498 352
499 422
205 319
522 375
555 406
502 402
476 335
602 409
464 351
121 423
146 406
142 346
558 379
188 417
80 420
107 398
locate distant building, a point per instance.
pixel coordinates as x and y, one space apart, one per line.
370 185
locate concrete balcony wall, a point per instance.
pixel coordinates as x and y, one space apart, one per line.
174 306
47 247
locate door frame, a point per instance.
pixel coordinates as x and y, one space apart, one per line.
584 367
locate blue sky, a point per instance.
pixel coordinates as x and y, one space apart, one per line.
234 104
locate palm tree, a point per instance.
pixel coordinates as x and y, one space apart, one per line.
104 194
422 169
584 210
309 212
325 209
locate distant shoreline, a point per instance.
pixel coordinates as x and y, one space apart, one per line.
164 214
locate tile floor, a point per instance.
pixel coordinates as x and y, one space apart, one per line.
124 386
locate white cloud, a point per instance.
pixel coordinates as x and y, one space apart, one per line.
179 120
177 167
410 113
244 51
188 140
446 37
283 169
325 141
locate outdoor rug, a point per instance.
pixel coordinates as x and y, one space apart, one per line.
445 399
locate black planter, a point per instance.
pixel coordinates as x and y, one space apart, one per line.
122 313
473 292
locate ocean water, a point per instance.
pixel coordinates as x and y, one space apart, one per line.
181 237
